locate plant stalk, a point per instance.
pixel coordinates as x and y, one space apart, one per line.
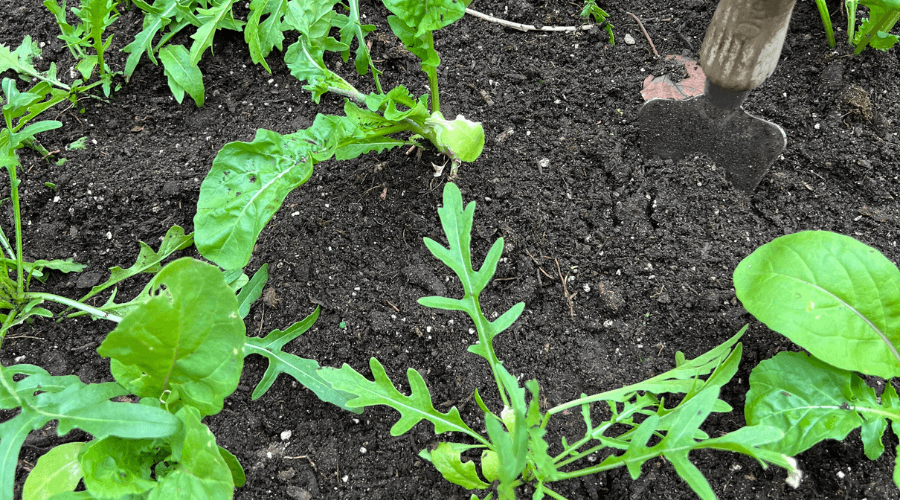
93 311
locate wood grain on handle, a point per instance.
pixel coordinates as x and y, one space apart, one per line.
743 42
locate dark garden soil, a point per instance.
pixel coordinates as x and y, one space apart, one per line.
646 247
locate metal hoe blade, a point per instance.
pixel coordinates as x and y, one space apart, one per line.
746 146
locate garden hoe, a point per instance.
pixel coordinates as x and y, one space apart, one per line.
740 50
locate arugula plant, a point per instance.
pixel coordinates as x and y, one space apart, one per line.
874 31
840 300
95 17
514 451
248 182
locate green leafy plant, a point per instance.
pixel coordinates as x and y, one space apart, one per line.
874 31
840 300
638 427
95 17
600 17
248 182
163 20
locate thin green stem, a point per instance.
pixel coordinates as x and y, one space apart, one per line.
350 94
826 21
482 325
14 195
93 311
433 85
578 456
553 494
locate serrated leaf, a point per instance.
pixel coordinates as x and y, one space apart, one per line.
809 401
429 16
187 340
354 29
413 408
212 19
20 60
303 370
148 260
57 471
446 458
264 35
184 75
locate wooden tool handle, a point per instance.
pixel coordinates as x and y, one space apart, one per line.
743 42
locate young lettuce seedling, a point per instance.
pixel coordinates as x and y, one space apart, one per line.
180 350
248 182
840 300
515 452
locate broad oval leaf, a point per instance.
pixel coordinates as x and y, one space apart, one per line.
836 297
247 184
187 338
57 471
805 398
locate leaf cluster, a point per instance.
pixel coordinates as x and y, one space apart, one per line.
249 181
839 299
514 451
873 31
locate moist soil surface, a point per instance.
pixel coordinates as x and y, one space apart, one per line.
643 248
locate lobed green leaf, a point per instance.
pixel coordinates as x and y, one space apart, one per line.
381 391
303 370
447 459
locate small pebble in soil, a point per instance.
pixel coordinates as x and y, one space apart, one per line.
285 435
629 40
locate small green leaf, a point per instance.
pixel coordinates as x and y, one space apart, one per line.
830 294
237 472
184 76
57 471
252 291
303 370
490 465
413 408
447 460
